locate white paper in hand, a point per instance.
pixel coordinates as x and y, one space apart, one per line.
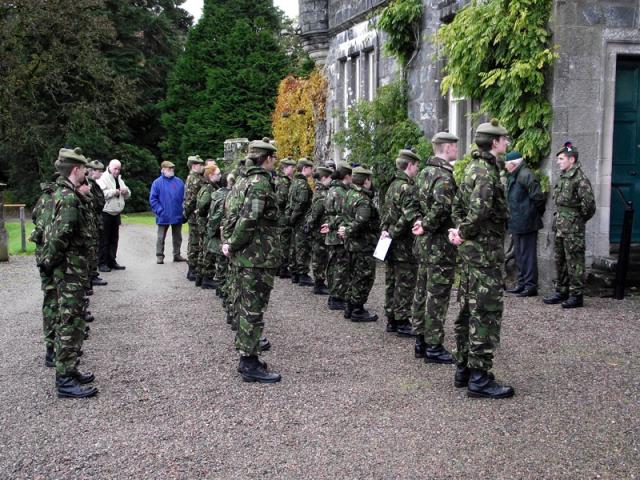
382 248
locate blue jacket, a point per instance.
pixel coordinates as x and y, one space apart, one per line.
166 200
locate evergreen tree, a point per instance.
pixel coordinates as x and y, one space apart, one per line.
225 83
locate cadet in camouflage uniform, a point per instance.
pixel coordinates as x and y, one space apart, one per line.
480 213
400 213
192 187
64 257
360 229
213 235
313 221
253 248
436 271
575 205
338 266
206 259
282 182
298 205
94 172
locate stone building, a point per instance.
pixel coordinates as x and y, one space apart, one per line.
595 92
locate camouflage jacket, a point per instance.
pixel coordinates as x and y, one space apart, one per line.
232 204
574 200
214 220
316 214
193 184
98 197
90 218
400 213
436 193
299 199
333 206
203 202
480 212
282 183
42 217
361 220
254 242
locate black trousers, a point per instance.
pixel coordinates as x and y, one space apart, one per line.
525 247
109 239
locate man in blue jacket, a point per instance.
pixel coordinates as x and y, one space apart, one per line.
167 193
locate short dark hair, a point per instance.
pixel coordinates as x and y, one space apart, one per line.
259 160
340 173
359 178
484 142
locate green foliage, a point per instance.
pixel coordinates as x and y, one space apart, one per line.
377 130
15 238
225 84
400 20
500 52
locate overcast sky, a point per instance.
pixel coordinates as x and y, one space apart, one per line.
290 7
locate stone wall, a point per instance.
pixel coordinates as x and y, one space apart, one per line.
342 13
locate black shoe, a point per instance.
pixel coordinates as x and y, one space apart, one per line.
392 327
104 268
420 347
294 278
89 292
305 280
437 354
69 387
82 378
405 330
261 362
320 288
100 282
198 281
336 303
117 266
481 385
555 298
528 292
50 357
179 258
461 378
360 314
574 301
253 371
516 289
208 284
348 310
284 273
264 344
88 317
191 274
160 260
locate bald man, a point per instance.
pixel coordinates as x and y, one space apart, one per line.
115 194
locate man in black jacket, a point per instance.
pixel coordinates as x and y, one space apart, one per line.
526 207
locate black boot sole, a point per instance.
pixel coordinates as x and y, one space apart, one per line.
438 361
90 393
473 394
248 379
458 384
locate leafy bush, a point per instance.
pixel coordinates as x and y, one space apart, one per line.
400 20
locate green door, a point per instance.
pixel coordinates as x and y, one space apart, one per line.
626 147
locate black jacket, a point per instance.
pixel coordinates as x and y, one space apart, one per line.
526 201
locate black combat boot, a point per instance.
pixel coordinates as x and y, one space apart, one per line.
69 387
574 301
392 326
99 281
253 371
229 318
461 378
481 385
265 344
261 362
421 347
360 314
437 354
284 273
198 280
516 289
335 303
208 284
294 278
82 377
50 357
348 310
305 280
320 288
89 291
88 317
405 330
191 274
86 332
555 298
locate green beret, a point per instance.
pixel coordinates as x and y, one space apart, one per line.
167 164
408 155
444 137
361 171
260 147
305 162
96 165
288 162
511 156
71 157
492 128
569 149
194 159
324 171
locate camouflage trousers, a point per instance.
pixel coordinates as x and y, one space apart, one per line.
193 247
569 257
300 251
319 258
440 278
400 282
255 285
285 243
231 289
338 276
362 268
206 261
49 309
69 330
220 276
477 328
92 257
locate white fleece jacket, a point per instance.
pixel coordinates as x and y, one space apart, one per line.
113 204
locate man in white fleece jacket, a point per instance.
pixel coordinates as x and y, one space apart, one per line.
115 194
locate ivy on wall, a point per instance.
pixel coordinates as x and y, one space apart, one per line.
500 53
400 20
300 106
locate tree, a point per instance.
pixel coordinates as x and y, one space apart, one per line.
225 83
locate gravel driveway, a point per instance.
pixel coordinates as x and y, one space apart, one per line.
353 402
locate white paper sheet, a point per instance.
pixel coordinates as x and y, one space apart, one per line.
382 248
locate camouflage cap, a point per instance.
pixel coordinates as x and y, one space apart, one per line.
167 164
96 165
194 159
569 149
492 128
407 155
260 147
286 161
71 157
444 137
323 171
305 162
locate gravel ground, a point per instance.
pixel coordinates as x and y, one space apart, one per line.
353 402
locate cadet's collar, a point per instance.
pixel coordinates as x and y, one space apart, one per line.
299 175
403 176
439 162
571 171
